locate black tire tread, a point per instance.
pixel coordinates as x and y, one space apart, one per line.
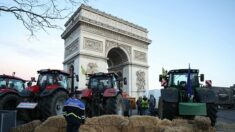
48 103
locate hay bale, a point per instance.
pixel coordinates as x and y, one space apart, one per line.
114 120
136 121
141 124
87 128
52 124
202 123
105 123
165 122
28 127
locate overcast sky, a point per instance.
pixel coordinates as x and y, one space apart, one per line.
199 32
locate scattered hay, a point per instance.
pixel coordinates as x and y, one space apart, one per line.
28 127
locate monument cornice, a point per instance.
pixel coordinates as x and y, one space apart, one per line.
104 14
86 20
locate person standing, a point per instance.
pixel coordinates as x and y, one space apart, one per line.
152 104
74 113
144 105
139 107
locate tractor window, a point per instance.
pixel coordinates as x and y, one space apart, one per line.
62 80
180 79
3 83
12 83
16 84
104 82
42 80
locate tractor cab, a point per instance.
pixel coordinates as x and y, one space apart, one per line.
102 81
10 86
49 80
11 83
179 78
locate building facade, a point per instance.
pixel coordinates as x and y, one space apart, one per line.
95 41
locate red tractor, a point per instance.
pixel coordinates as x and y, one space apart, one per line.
104 95
47 97
10 86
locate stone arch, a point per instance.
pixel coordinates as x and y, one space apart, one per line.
117 57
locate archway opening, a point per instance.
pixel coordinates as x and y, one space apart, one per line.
116 60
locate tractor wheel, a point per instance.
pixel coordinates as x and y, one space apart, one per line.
88 111
53 104
166 110
211 112
115 105
9 102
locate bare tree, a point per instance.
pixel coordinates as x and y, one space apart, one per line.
39 14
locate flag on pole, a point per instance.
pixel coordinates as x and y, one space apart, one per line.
189 83
83 70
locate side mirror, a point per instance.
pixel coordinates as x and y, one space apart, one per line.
77 78
160 78
201 77
124 81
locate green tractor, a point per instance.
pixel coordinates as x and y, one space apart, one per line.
183 96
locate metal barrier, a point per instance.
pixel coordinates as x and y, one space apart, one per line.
7 120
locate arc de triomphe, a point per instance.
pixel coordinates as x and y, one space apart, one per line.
95 41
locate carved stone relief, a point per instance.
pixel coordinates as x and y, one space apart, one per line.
111 44
112 35
141 56
140 80
90 69
73 47
92 44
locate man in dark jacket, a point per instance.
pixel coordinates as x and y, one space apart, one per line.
74 113
152 104
139 107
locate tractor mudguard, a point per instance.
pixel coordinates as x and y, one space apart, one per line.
6 91
110 92
86 93
48 92
170 95
205 95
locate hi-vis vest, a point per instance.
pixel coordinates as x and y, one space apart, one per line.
144 104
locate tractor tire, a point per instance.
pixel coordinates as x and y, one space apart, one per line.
88 110
166 110
9 102
53 104
212 112
115 105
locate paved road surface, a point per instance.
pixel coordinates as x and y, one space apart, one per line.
225 121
